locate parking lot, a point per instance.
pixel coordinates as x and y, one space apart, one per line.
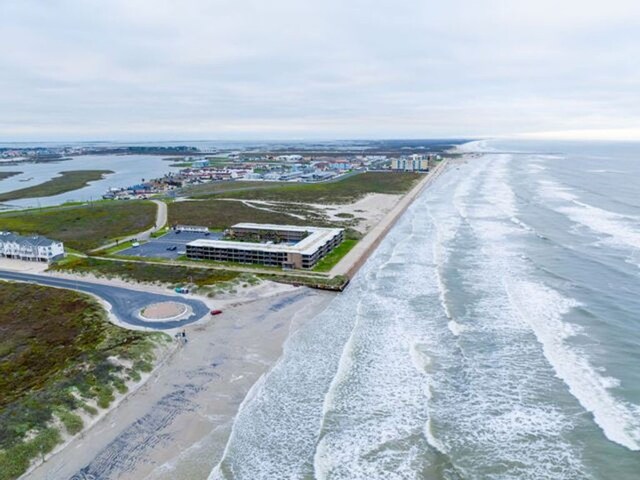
162 247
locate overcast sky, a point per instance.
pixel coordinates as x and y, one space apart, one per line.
273 69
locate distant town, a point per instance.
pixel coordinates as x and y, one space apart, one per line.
272 168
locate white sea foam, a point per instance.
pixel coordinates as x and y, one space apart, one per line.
421 361
374 412
618 229
496 189
286 407
456 328
543 309
377 398
475 146
621 172
536 168
499 338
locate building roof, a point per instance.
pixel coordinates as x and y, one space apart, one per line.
317 237
32 240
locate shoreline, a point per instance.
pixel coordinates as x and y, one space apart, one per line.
191 397
351 263
163 433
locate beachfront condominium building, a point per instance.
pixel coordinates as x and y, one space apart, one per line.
412 163
285 246
33 248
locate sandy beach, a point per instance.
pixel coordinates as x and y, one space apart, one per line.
176 425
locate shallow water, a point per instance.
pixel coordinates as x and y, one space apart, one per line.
493 335
128 170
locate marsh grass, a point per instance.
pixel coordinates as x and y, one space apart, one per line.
66 182
83 227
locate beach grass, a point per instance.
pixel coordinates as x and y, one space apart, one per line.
213 188
220 214
346 190
56 357
145 272
66 182
83 227
4 175
337 282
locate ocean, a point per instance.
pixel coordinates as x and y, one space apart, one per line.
494 334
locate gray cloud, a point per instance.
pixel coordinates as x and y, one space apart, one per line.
136 69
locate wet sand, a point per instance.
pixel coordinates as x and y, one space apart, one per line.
176 425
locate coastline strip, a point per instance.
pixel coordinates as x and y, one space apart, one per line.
352 262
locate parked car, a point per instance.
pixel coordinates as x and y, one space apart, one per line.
216 312
182 290
172 248
135 244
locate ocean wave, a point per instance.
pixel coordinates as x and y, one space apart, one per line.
373 414
618 229
543 309
602 170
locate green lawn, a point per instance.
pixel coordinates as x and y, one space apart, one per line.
328 262
343 191
66 182
146 272
83 227
54 360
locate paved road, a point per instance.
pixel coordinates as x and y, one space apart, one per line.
161 215
161 221
125 303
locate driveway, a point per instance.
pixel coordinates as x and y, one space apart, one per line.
125 303
161 220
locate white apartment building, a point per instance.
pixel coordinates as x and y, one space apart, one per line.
412 163
32 248
296 247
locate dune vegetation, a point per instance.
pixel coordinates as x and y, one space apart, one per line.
59 357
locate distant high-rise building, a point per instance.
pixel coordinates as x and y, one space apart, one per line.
412 163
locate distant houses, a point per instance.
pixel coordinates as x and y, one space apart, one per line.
269 167
31 248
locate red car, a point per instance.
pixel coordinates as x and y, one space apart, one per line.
216 312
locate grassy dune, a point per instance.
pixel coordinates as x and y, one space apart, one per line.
142 272
83 227
343 191
54 361
218 214
66 182
213 188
